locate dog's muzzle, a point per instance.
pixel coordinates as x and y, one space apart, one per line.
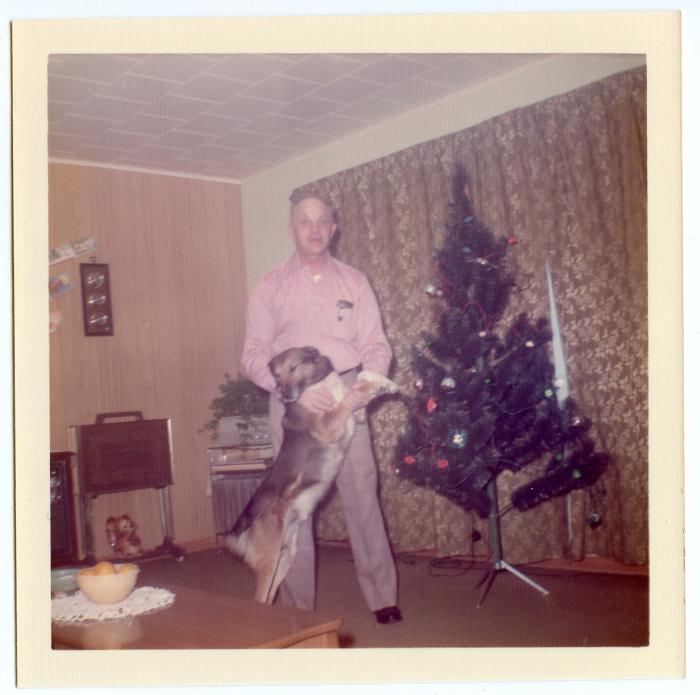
289 394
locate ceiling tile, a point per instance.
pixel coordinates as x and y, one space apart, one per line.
337 125
89 153
236 168
245 107
361 58
372 109
210 88
188 166
61 141
308 108
184 140
413 92
241 140
209 153
121 141
459 73
270 153
149 125
152 154
58 109
171 105
178 67
429 59
347 89
249 67
71 90
274 124
82 125
320 68
289 57
389 70
107 107
504 61
279 88
303 140
209 124
137 88
98 67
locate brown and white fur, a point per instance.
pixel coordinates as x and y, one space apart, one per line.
313 448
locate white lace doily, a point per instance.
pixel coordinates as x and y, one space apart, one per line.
78 608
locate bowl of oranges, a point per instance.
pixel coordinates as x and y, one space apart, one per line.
107 583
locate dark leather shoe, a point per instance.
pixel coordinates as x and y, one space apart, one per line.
390 614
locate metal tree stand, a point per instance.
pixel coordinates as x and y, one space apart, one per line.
497 551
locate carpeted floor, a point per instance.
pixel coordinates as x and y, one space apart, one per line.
438 601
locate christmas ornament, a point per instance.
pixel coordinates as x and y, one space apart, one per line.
443 463
419 384
548 393
448 383
458 439
409 460
482 334
431 405
530 344
431 290
512 241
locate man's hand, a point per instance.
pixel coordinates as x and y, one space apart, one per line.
318 400
359 395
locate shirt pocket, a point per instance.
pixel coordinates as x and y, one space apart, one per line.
345 319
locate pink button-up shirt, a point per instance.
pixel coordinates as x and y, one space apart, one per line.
336 312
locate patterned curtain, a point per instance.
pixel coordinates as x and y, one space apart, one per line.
567 178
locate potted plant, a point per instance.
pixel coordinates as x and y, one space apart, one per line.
240 413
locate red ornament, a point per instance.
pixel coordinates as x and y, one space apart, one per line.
443 463
512 241
432 404
409 460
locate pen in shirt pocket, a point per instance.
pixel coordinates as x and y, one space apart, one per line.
343 305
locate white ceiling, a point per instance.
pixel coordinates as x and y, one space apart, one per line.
232 116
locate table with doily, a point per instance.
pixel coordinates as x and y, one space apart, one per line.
182 617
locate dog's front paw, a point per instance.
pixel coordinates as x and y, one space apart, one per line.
380 384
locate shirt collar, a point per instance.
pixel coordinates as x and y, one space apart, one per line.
297 265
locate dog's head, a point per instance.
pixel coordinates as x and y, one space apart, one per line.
298 368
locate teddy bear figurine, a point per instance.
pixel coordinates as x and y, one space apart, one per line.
122 536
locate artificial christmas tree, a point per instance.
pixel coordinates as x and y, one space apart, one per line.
486 400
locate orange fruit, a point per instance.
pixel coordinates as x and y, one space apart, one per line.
104 567
126 568
87 571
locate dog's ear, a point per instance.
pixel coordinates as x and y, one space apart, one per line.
310 354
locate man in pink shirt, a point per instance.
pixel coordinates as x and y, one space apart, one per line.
314 299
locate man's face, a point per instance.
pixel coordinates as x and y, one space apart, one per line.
312 227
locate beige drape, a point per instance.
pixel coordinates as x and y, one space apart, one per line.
567 178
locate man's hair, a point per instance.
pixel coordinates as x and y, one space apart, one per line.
297 198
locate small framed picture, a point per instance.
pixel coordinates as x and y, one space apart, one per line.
97 299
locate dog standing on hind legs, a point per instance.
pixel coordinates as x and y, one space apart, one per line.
312 450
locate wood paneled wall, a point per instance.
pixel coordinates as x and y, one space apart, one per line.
177 271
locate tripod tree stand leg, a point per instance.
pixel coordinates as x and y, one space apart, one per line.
497 550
